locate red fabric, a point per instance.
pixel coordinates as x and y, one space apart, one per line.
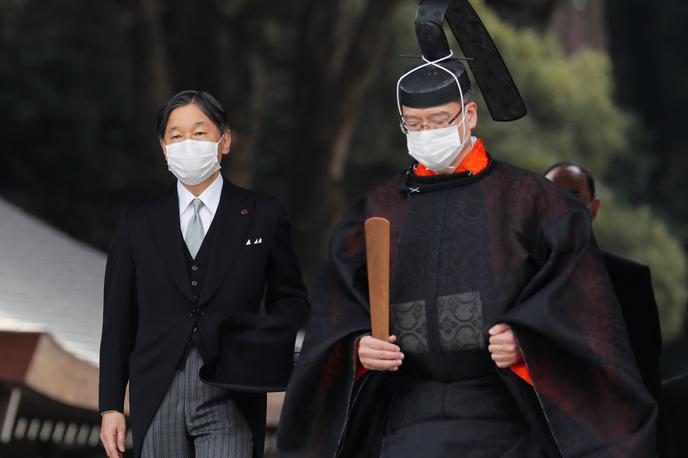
475 161
521 370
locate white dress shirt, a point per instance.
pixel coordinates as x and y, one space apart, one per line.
210 198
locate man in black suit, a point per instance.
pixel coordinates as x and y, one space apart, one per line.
631 281
206 251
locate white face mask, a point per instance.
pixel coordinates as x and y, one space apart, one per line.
192 161
436 149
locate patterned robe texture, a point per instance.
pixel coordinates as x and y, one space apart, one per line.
468 252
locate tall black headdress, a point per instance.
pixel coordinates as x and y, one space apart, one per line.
435 81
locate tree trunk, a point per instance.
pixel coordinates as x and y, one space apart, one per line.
148 49
151 84
580 24
246 88
333 74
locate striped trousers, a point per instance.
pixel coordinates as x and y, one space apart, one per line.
196 420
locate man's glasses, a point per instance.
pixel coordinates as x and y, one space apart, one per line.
414 125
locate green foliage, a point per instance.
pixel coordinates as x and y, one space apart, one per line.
572 114
638 234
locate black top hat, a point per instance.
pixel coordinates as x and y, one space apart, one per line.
255 354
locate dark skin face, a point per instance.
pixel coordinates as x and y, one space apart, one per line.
572 178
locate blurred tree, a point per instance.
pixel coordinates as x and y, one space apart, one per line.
297 72
525 13
640 235
646 43
294 73
66 122
310 90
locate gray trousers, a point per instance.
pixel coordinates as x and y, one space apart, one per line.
195 419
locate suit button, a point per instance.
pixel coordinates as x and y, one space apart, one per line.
194 283
191 315
194 268
195 298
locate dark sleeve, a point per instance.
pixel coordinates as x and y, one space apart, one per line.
119 321
647 342
320 391
286 295
571 331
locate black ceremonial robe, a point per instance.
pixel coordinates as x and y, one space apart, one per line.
468 252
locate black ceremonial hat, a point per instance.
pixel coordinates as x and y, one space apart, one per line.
491 74
430 86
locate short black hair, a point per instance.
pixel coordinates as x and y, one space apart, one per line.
589 177
206 102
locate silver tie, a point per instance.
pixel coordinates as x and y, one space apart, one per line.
194 233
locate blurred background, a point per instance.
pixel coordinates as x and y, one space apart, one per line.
309 89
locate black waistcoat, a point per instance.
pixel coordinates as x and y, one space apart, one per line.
197 269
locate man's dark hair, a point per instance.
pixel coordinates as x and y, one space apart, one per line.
589 177
205 102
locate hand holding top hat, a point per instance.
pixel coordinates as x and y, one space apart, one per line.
255 354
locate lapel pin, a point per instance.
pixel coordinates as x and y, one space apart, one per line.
258 240
248 242
244 211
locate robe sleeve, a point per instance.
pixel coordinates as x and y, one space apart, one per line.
321 389
576 350
322 396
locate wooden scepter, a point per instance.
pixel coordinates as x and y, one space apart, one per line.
377 256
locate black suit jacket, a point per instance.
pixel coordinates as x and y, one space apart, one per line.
633 287
675 394
148 313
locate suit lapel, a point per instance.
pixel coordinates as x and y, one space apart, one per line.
233 216
163 219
